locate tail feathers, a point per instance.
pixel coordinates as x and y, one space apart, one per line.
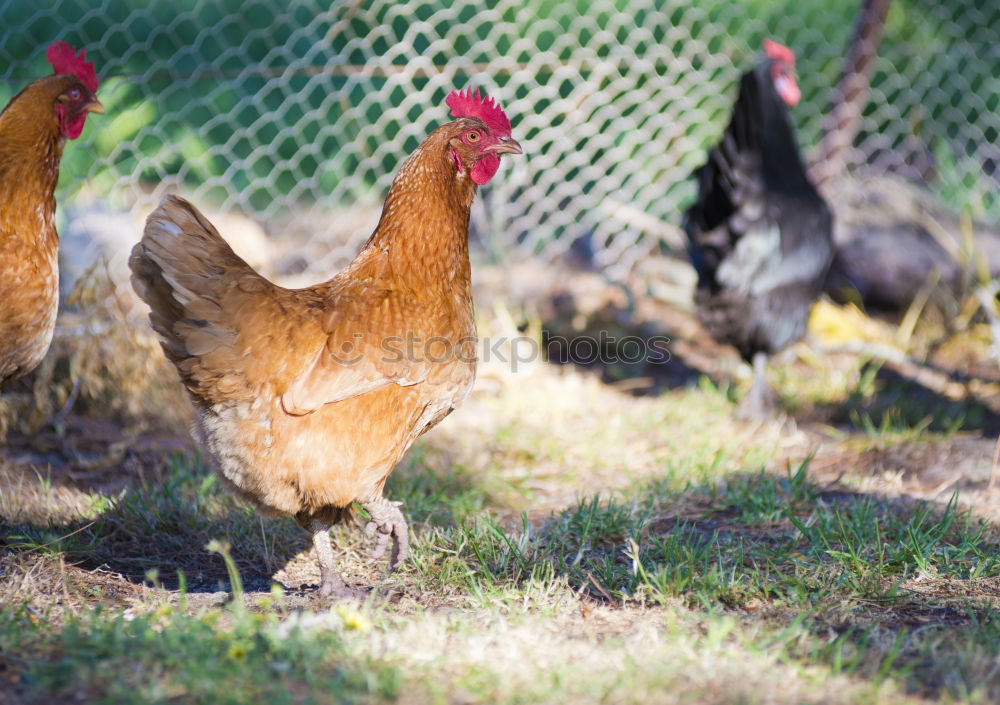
183 269
149 284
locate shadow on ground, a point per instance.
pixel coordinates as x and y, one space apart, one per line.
144 509
892 401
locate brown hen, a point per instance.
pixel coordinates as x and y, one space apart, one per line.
307 398
34 128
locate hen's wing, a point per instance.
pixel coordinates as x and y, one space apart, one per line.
358 351
729 224
234 335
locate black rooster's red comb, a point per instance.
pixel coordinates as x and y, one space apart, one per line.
65 61
466 104
779 52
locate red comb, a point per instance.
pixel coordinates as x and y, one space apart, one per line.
779 52
466 104
65 61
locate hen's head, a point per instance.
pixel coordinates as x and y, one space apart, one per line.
74 87
482 134
783 72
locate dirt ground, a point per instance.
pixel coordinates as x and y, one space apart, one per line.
105 502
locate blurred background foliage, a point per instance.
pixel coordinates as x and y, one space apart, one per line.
266 106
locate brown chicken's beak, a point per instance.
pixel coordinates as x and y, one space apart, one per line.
507 146
94 106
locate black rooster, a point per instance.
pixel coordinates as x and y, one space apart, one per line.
760 235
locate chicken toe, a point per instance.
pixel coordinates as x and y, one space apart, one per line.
387 521
330 582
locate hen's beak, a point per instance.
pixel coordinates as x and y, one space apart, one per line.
507 145
94 106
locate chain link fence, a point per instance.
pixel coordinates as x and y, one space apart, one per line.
298 114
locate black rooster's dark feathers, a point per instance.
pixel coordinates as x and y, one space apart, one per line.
760 235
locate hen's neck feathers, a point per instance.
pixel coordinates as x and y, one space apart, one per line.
424 228
777 144
30 151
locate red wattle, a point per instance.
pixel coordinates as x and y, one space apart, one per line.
70 128
485 168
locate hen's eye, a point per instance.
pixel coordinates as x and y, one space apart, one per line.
75 94
473 136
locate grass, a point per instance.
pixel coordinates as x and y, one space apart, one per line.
570 543
770 568
166 655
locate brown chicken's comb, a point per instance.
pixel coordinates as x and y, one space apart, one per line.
65 61
779 52
466 104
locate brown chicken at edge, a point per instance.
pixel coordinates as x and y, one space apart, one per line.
34 128
307 398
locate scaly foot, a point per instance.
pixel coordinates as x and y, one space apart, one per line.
330 582
333 586
760 403
387 521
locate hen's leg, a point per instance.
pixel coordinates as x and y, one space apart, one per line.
388 521
330 582
760 402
